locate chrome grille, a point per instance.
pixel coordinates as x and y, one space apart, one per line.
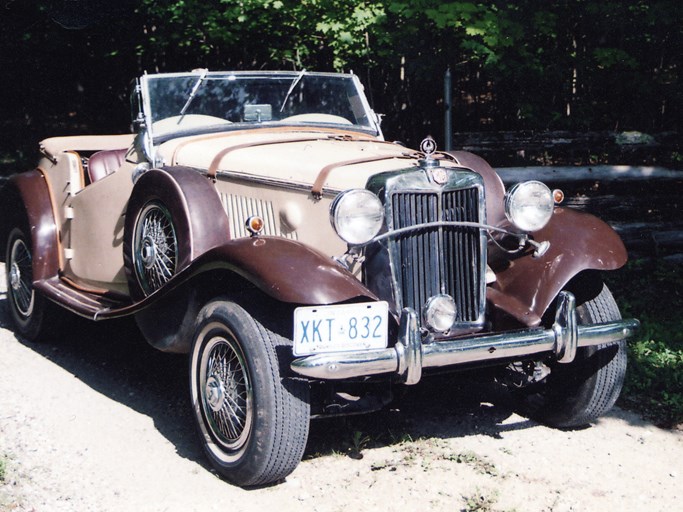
439 260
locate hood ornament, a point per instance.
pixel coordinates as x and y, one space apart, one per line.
428 147
432 166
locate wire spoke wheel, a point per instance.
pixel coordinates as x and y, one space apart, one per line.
252 418
226 393
34 317
20 277
155 247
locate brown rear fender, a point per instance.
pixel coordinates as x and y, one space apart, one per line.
26 199
526 286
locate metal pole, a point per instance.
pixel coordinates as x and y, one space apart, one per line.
448 121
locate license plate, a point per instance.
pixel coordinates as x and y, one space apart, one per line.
341 328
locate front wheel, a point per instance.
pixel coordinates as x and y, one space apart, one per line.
252 419
576 394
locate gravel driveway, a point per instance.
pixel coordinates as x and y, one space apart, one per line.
100 421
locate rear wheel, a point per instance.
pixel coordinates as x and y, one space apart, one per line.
252 418
576 394
155 247
31 313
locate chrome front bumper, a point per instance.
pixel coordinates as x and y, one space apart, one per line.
409 356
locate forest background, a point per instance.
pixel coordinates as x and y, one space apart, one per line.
579 65
524 66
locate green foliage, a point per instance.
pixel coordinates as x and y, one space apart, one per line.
515 65
252 33
653 292
528 65
359 441
657 369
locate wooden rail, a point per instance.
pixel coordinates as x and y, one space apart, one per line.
643 204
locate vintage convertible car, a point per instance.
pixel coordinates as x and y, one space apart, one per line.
259 222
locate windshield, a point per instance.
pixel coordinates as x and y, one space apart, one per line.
213 101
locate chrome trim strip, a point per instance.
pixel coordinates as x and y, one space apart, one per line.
404 359
427 225
306 187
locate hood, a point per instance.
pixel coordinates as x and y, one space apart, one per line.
331 159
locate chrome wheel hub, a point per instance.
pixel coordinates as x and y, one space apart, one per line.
148 252
215 393
15 276
155 247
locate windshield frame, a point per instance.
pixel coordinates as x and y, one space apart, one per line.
144 119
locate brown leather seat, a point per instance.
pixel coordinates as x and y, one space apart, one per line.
104 163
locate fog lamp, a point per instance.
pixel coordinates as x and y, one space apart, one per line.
438 313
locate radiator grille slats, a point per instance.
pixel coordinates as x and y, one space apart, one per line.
439 260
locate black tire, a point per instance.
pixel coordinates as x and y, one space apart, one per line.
260 435
576 394
32 314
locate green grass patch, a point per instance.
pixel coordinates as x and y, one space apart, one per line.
480 501
479 464
652 291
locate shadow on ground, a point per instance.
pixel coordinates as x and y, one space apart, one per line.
444 406
113 358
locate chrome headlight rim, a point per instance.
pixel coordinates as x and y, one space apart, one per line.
529 205
357 216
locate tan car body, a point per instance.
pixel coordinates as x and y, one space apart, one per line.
215 233
266 174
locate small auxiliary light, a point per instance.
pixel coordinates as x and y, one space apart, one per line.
254 225
439 313
558 196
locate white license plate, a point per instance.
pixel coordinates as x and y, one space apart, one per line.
340 328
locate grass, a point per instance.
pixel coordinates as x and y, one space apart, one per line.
652 291
480 501
479 464
3 468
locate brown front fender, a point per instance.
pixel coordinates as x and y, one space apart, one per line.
578 241
286 270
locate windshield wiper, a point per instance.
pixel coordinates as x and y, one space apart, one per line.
193 92
291 87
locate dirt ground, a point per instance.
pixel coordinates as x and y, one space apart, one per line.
99 421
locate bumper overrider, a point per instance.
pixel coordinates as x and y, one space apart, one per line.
409 356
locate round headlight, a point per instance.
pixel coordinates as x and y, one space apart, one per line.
439 312
357 216
529 205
